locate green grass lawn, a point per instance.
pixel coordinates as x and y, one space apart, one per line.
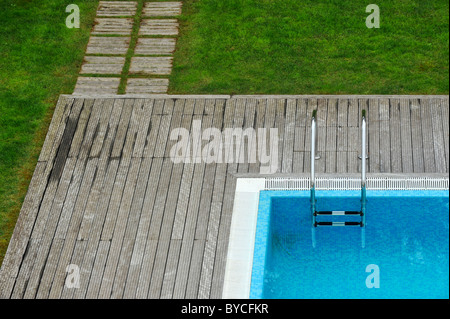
312 47
39 59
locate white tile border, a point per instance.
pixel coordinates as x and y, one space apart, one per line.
238 270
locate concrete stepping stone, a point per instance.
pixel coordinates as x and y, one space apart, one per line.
159 27
117 8
155 46
162 9
151 65
147 86
94 85
102 65
113 26
108 45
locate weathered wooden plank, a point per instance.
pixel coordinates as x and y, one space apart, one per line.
192 286
427 135
151 65
117 8
147 86
405 133
445 127
96 277
131 229
248 153
133 128
103 126
117 235
395 133
19 253
288 147
102 65
353 144
79 134
186 181
162 253
61 111
99 183
76 260
49 268
342 125
158 27
147 269
331 136
49 228
385 136
342 136
227 208
81 151
108 45
373 133
207 190
162 9
138 257
207 273
112 26
171 268
155 226
56 277
174 125
155 46
164 130
122 128
24 272
213 224
417 139
152 134
300 126
438 136
55 167
96 85
189 232
259 124
144 127
93 262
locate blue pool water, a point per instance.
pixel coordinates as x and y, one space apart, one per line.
406 237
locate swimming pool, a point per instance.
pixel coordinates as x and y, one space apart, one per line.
406 252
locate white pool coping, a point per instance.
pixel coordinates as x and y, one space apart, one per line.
238 271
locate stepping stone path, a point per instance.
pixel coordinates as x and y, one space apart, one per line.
109 50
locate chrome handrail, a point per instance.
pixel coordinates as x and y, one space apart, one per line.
363 168
313 146
313 178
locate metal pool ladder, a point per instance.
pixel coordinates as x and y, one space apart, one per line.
362 211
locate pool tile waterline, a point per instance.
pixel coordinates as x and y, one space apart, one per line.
110 42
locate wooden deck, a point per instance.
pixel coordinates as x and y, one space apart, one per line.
107 197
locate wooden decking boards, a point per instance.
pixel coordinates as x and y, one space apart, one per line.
107 197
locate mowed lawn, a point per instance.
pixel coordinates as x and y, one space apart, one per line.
39 59
312 47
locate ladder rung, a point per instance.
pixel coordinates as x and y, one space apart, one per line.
338 213
338 224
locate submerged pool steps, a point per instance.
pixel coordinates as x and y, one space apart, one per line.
338 224
362 212
337 213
